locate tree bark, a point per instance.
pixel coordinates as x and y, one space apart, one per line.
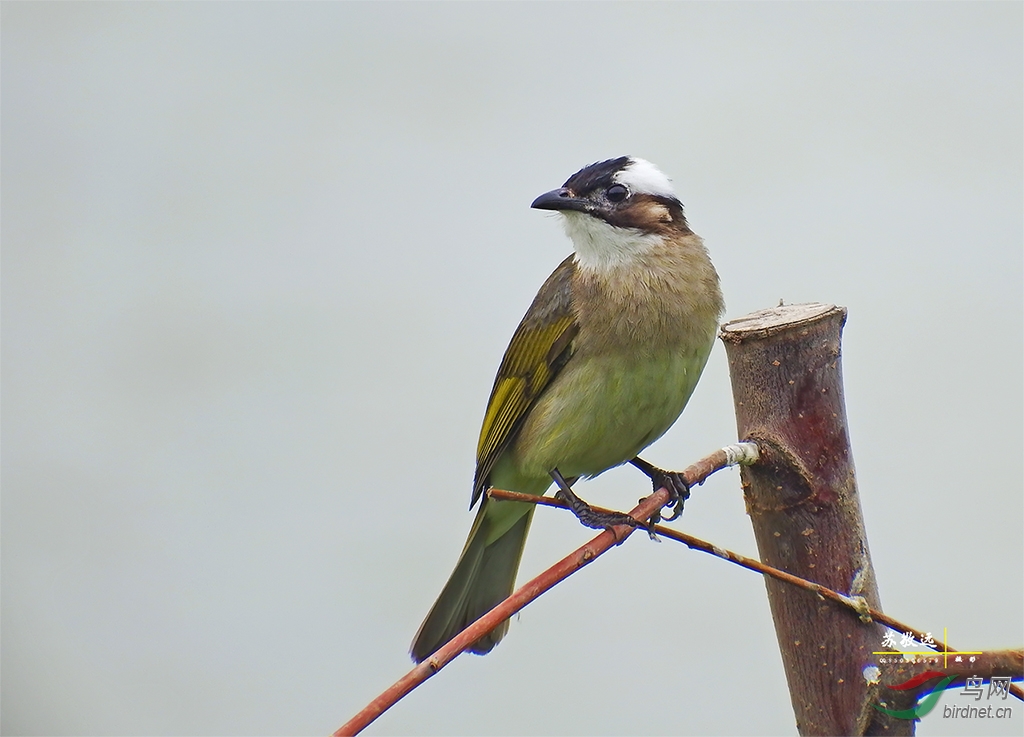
802 500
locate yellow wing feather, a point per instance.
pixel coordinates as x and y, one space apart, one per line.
538 350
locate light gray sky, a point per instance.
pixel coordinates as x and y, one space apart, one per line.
260 263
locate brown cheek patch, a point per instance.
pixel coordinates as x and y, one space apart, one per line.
655 212
647 214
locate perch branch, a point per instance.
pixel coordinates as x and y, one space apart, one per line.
695 474
1009 660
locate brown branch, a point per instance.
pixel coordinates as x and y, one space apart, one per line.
695 474
802 498
804 507
1008 662
519 599
992 664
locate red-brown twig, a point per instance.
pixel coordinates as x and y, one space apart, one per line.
519 599
695 474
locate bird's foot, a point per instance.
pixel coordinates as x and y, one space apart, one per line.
673 481
586 514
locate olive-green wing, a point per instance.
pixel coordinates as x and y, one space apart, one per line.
539 348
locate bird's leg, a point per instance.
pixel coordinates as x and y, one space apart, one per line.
673 481
586 514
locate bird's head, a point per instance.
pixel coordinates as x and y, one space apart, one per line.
615 210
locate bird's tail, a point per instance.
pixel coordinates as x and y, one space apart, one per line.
483 577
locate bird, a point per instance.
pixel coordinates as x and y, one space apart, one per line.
601 365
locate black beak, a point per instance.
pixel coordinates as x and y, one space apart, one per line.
562 199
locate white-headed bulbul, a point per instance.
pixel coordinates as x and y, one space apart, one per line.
599 368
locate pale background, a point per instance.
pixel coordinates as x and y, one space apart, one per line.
260 263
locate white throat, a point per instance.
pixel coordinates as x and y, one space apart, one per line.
603 247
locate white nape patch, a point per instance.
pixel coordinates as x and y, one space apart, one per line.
603 247
640 175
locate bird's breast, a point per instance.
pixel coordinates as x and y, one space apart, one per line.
667 299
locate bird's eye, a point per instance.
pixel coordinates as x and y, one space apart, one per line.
616 193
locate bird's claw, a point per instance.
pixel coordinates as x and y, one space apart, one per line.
590 517
673 482
678 491
586 514
652 523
